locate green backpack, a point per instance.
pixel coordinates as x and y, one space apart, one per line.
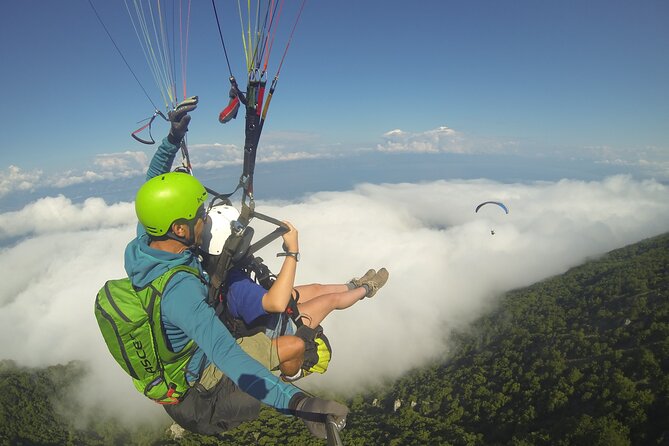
129 320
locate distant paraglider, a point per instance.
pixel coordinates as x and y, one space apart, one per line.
500 204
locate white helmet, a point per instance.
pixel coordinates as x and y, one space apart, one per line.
218 227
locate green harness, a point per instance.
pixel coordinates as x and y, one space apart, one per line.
129 320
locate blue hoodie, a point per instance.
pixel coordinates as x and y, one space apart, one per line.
186 315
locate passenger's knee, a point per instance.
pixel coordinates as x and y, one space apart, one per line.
290 347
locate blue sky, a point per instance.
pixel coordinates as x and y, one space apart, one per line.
569 79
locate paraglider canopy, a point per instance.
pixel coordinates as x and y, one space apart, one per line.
506 210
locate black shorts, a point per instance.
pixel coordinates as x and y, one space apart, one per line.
209 412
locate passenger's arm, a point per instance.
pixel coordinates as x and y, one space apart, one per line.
277 298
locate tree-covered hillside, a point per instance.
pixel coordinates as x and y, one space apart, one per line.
578 359
582 358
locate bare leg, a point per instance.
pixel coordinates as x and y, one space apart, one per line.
308 292
316 307
291 354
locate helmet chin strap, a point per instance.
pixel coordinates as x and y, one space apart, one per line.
190 241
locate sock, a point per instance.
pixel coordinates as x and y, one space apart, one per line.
295 376
350 286
366 287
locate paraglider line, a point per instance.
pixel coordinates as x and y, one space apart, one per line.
121 54
290 39
220 33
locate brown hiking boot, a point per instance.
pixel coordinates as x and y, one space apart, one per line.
376 282
368 276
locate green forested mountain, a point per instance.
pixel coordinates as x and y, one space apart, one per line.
582 358
578 359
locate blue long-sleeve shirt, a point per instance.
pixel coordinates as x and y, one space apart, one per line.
186 315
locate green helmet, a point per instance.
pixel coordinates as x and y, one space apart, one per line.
167 198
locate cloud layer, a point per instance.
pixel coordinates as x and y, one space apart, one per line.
649 161
445 267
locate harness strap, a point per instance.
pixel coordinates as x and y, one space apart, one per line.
308 335
292 311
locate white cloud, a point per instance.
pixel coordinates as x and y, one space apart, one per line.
650 161
114 166
211 156
206 156
59 215
123 164
69 178
14 178
441 139
273 156
108 166
397 133
445 267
